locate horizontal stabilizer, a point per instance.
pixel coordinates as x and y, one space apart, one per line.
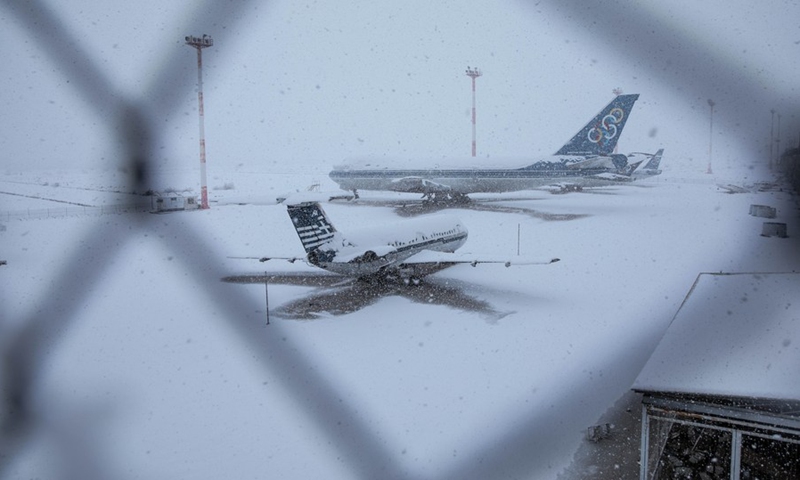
654 161
266 259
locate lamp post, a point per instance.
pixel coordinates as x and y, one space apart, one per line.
710 133
771 137
778 141
473 73
200 43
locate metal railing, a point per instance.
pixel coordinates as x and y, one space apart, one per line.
61 212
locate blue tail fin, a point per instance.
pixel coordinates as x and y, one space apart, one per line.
311 223
654 161
600 135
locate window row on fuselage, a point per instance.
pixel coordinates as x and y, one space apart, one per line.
559 171
437 237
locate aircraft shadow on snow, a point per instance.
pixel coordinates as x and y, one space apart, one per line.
412 208
335 295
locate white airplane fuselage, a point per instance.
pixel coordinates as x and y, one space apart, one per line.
377 250
589 153
371 175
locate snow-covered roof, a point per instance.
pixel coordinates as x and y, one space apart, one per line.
734 335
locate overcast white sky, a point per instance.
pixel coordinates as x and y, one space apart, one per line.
290 84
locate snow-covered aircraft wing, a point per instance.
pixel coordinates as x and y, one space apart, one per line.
592 162
315 278
417 185
266 259
610 177
434 258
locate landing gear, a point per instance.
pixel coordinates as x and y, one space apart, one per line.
568 188
459 198
446 197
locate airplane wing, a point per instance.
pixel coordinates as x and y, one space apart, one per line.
417 185
591 162
446 258
266 259
307 279
610 177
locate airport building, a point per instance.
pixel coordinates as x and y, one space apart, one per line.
172 202
721 392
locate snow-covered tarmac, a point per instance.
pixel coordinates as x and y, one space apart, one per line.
164 371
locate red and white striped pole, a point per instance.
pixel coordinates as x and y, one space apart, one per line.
473 73
200 43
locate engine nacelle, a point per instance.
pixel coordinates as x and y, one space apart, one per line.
366 257
620 161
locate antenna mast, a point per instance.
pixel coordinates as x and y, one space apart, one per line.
473 73
200 43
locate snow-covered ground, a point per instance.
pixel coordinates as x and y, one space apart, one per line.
153 368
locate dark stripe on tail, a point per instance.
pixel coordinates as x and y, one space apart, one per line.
311 223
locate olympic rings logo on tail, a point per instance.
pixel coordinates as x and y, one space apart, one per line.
617 113
608 126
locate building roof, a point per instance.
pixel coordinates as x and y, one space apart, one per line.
734 335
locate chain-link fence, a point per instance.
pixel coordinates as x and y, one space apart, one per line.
26 347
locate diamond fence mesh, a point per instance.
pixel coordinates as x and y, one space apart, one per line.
25 348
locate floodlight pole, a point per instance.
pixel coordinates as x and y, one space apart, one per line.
778 141
711 133
473 73
771 138
200 43
266 290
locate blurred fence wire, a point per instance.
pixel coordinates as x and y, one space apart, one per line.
25 348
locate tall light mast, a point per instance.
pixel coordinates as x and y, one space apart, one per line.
200 43
710 133
771 138
473 73
778 140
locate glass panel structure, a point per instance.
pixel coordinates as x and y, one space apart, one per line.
769 458
680 450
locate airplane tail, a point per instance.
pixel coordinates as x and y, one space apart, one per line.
600 135
654 161
630 168
311 223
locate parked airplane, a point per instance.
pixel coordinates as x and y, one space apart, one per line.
649 169
588 154
640 166
407 250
